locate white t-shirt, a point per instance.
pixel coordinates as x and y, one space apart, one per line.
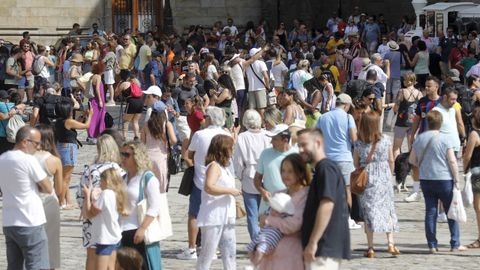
277 73
22 205
211 69
200 144
236 73
45 73
105 227
381 75
254 84
143 54
233 30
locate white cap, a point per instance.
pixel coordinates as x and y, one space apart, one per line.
153 90
254 51
280 129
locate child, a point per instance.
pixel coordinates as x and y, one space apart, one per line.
104 214
268 237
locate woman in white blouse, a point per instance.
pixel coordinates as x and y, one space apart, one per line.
137 164
216 217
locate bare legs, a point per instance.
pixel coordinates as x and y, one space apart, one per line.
134 118
65 198
192 231
91 258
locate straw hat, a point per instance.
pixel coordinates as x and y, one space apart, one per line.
77 58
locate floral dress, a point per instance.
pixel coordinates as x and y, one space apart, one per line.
377 201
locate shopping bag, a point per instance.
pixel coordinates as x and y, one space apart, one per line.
457 211
467 193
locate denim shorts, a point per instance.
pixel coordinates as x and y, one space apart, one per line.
346 167
106 249
194 201
68 153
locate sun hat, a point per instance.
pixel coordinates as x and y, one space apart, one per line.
280 129
392 45
77 58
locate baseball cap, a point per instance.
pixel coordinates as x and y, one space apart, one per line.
344 99
156 54
280 129
454 74
254 51
159 106
4 94
190 50
153 90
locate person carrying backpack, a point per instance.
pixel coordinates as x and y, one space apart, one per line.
469 99
44 106
8 109
330 71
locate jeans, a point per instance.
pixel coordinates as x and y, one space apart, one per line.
26 247
434 190
252 202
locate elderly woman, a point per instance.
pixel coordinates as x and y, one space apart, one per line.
248 148
216 217
138 166
433 149
377 201
108 156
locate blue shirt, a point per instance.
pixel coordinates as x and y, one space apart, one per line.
395 59
335 126
66 68
434 164
5 107
152 68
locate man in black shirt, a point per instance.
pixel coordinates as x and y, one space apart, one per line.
325 233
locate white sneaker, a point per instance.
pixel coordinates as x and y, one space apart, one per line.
353 225
187 254
414 197
110 103
442 218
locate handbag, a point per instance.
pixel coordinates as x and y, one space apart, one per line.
359 177
173 161
186 185
161 226
239 209
467 193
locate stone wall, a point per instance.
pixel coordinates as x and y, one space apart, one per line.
206 12
47 20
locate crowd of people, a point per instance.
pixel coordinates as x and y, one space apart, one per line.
291 112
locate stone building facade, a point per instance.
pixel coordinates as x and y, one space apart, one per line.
48 20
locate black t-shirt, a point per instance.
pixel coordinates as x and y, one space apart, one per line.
328 183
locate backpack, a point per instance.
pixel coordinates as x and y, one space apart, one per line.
355 88
14 124
47 109
136 91
37 65
326 71
465 98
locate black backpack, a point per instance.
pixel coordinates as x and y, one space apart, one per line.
47 113
355 88
326 71
465 98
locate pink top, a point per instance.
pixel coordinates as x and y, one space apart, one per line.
289 252
357 66
29 60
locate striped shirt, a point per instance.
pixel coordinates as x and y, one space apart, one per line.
423 107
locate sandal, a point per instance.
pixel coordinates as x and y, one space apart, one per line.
475 244
370 253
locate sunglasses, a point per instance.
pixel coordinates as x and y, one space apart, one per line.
125 154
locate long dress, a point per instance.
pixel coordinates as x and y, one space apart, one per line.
157 151
97 125
377 201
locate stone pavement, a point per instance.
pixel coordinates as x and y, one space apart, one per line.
410 240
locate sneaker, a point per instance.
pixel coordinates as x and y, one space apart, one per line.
413 197
187 254
442 218
353 225
110 103
91 141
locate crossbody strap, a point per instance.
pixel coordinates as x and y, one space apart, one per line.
422 156
141 192
258 77
370 154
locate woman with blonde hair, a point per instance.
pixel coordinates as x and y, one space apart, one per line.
374 152
300 76
108 157
405 104
136 162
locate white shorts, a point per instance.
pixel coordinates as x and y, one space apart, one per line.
183 128
109 77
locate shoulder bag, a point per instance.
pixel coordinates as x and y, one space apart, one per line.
161 226
359 177
186 185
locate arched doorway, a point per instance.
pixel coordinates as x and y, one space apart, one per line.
137 15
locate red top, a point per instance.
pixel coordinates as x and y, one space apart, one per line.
455 56
194 121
